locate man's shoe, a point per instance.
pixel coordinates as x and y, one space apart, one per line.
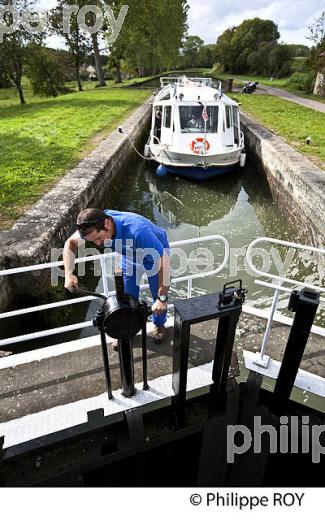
159 334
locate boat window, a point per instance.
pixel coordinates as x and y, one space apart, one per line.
192 119
228 117
158 121
236 126
167 117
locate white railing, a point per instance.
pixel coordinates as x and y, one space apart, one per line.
262 359
103 261
184 81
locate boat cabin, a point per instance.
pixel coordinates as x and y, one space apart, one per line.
188 108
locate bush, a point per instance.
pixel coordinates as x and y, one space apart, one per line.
302 81
4 80
299 65
46 76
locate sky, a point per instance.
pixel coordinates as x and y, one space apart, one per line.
210 18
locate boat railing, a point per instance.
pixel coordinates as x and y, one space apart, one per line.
276 284
184 81
103 259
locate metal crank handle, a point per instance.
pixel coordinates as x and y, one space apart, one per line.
84 292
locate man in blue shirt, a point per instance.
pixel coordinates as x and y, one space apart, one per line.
144 248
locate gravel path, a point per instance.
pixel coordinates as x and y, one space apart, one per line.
309 103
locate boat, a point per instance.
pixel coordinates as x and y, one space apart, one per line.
195 130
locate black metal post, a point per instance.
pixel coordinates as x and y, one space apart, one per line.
144 354
304 304
180 364
125 352
98 322
222 356
196 310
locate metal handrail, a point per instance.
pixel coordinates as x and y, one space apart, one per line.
282 278
261 358
101 258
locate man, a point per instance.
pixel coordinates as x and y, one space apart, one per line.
144 248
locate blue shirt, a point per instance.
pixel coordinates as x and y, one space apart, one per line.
134 232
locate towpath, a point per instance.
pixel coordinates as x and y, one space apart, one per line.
309 103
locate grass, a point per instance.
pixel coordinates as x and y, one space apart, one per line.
292 122
42 139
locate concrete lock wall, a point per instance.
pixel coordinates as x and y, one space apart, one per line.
52 219
297 185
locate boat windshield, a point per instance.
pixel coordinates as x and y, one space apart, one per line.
194 118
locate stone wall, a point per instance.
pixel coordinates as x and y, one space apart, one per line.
297 185
52 219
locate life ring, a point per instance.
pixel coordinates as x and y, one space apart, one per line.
200 145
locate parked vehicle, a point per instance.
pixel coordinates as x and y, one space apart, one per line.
249 87
195 131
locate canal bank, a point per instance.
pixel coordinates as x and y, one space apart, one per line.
52 219
297 185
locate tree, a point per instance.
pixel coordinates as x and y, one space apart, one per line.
43 69
91 20
14 48
76 40
317 36
235 45
192 47
206 56
150 37
258 61
4 80
317 30
280 60
299 51
225 53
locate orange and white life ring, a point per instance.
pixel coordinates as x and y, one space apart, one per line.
200 146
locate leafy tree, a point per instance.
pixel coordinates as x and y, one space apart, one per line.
76 40
280 59
146 42
259 61
14 48
225 53
192 48
299 51
206 56
235 45
91 20
4 80
44 72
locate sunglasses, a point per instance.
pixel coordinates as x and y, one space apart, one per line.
84 228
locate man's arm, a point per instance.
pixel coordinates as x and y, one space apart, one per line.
69 251
163 283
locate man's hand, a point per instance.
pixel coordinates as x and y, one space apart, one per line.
71 282
159 307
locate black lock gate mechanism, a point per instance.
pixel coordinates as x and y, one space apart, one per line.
121 317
